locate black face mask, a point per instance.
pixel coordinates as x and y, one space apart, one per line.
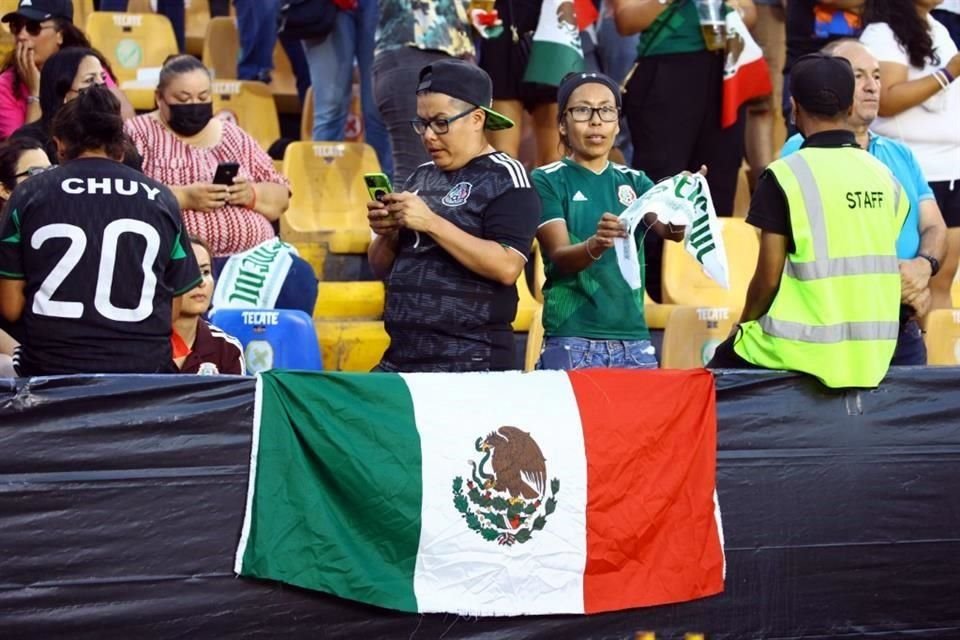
190 119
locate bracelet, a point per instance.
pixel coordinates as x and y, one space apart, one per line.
33 99
941 80
253 203
586 245
946 74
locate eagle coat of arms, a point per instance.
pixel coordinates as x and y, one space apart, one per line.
506 501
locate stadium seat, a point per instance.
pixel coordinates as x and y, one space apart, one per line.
197 17
526 306
272 338
534 340
741 201
684 281
250 105
942 337
955 290
221 47
328 207
284 83
349 301
539 272
132 41
82 9
7 41
657 315
351 346
693 333
306 116
140 6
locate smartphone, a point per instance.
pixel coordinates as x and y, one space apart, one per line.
226 172
378 185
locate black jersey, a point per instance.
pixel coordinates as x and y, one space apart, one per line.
102 253
440 315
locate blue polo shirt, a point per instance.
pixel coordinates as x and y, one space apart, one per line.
903 164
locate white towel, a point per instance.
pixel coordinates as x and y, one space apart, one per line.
683 200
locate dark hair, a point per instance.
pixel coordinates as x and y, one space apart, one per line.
57 79
176 65
91 121
910 30
10 152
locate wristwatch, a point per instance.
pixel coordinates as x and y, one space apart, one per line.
934 263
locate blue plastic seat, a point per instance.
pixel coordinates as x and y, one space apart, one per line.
272 338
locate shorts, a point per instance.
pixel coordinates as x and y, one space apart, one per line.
947 194
505 60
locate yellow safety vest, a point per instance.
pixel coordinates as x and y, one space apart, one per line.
836 313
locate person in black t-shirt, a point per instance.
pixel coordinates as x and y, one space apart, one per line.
452 245
93 255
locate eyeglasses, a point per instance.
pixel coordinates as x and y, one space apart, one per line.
32 26
33 171
585 114
439 126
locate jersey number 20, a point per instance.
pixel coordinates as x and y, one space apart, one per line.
45 305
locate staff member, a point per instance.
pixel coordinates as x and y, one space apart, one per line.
829 304
93 254
452 244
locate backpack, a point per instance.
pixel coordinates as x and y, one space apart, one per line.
307 19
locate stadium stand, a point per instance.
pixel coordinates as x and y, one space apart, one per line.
352 345
693 333
197 17
526 306
942 337
221 46
350 301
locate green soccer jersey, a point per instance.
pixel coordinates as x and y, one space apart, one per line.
597 302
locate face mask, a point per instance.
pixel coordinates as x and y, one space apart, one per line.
190 119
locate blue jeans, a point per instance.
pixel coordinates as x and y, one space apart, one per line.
173 9
581 353
331 73
257 29
910 351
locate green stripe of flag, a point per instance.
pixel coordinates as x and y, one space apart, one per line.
360 532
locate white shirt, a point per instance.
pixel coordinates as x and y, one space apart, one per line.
931 129
953 6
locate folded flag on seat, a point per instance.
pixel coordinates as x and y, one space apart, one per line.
487 494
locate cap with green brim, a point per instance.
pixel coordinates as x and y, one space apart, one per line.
463 81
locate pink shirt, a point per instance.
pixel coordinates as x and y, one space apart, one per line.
13 106
166 158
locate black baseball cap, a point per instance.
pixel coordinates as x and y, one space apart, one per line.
571 81
463 81
41 10
822 84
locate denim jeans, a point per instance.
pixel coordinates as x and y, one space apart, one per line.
911 350
257 29
395 74
581 353
173 9
331 73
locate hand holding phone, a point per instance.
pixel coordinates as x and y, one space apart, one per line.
378 185
226 172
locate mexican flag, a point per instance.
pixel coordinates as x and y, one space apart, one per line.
556 47
486 494
745 72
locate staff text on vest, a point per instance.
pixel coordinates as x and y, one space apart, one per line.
864 199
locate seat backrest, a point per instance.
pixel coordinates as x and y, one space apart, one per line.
943 337
7 41
273 338
221 47
955 290
82 9
326 179
692 335
526 305
685 282
197 16
534 340
306 117
131 41
250 105
283 81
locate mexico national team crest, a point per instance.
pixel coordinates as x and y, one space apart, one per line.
505 498
626 195
458 195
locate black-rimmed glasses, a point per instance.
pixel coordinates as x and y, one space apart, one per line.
32 171
585 114
439 126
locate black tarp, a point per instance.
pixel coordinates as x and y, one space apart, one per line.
121 501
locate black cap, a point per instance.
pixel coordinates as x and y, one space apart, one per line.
822 84
571 81
463 81
41 10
